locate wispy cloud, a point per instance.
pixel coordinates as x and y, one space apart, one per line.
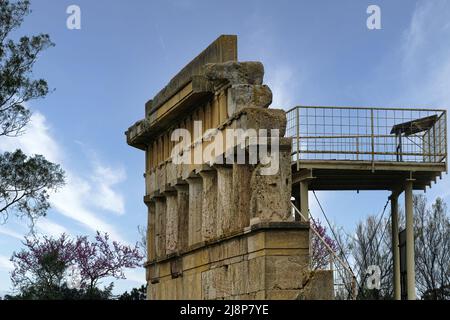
426 64
426 54
37 139
50 228
10 233
105 178
83 196
281 81
5 264
284 77
135 275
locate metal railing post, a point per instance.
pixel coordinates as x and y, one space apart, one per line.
445 141
357 148
297 121
373 140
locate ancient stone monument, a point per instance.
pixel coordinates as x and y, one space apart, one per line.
221 229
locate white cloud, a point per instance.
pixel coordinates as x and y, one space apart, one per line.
71 202
37 139
83 196
426 64
426 55
5 263
281 81
283 77
10 233
50 228
135 275
106 198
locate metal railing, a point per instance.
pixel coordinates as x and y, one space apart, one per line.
344 280
368 134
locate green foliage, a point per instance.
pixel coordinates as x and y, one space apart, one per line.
63 292
25 181
135 294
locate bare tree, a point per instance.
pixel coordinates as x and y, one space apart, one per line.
432 249
371 246
142 243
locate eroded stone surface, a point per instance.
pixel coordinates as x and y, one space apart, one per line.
195 210
209 204
251 72
225 205
172 222
160 227
248 96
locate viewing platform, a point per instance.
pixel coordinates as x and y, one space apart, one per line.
361 148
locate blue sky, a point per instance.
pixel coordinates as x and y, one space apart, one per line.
314 52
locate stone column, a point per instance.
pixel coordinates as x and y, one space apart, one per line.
304 200
160 227
395 247
209 204
410 264
171 221
183 215
195 210
151 234
242 174
225 203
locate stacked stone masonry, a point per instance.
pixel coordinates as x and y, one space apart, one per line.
215 230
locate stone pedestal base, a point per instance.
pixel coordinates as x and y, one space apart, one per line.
267 261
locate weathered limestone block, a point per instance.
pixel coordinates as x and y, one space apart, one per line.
151 291
161 178
171 222
195 210
160 227
242 174
286 272
171 173
186 171
196 259
215 284
261 118
182 171
209 205
248 96
250 72
137 129
225 205
290 241
193 286
238 278
319 287
226 250
183 215
151 183
271 194
153 273
151 232
226 281
256 274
